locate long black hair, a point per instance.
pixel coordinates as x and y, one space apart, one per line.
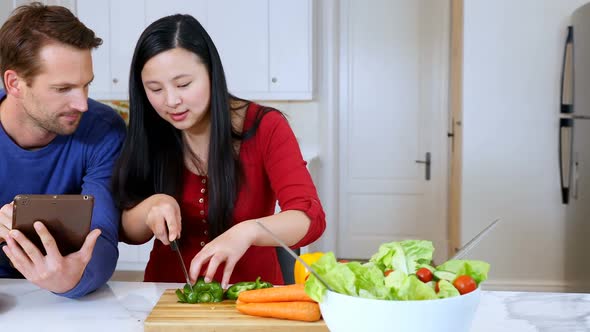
152 157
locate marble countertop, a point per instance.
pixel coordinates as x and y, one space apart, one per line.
123 306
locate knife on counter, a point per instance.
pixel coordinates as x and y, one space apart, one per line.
174 246
292 253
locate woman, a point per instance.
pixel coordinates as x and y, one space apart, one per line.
202 163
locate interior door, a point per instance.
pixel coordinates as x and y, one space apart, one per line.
394 95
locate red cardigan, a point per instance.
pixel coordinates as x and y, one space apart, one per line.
274 170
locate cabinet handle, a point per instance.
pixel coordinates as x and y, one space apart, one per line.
274 80
115 80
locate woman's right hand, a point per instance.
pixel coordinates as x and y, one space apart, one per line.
163 218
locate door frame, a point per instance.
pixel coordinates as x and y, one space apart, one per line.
456 126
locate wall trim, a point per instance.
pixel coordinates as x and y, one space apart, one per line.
524 285
327 27
455 126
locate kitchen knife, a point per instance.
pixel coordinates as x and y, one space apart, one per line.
466 248
174 246
292 253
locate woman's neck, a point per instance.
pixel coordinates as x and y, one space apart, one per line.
198 141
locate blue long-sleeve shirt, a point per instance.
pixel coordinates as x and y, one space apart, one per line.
81 163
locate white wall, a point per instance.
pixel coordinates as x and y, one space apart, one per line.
315 122
303 118
512 64
5 9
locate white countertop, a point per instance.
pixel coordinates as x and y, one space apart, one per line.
123 306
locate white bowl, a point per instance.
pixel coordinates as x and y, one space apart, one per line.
343 313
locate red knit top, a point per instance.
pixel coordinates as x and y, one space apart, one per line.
273 170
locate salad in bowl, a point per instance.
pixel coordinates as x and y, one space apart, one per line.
398 288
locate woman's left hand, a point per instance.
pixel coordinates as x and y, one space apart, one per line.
227 248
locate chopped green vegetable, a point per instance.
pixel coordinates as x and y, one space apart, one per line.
181 297
200 292
233 292
191 297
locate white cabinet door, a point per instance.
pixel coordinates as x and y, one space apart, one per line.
155 9
265 46
290 42
239 30
95 15
119 24
126 23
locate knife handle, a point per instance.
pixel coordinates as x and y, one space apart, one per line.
174 245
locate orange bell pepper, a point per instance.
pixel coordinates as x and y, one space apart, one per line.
299 271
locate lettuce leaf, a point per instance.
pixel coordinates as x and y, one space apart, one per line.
354 278
405 256
446 289
369 281
337 275
412 289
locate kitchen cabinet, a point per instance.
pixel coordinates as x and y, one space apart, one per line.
119 28
265 46
242 42
290 36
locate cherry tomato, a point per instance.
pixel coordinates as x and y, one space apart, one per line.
387 272
464 284
424 274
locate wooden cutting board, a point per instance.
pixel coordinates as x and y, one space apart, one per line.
169 315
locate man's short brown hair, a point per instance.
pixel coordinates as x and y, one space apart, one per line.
30 27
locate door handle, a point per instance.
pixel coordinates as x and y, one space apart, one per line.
427 163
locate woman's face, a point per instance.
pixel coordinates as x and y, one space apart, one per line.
178 87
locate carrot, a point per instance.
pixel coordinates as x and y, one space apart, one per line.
296 310
275 294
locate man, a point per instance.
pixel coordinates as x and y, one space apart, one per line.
54 140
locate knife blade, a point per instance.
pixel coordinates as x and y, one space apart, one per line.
467 247
174 246
292 253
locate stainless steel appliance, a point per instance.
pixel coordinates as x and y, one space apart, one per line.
574 146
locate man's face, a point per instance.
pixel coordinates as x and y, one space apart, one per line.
55 99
